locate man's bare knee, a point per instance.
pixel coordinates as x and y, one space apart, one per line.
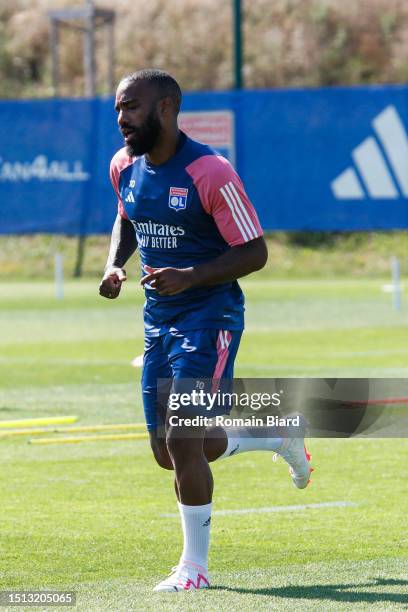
181 448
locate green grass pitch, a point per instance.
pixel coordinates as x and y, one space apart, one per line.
89 518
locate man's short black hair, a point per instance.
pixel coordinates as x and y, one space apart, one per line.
164 83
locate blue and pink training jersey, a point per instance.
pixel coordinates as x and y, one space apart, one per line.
185 212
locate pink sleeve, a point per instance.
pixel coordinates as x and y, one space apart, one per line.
119 162
223 196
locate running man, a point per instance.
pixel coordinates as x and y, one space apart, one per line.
185 208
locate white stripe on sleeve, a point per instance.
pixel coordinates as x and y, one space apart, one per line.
234 215
244 210
239 213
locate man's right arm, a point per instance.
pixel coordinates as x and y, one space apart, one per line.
123 245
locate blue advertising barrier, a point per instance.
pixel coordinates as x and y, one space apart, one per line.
325 159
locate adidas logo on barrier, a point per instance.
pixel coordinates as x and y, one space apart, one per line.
130 198
381 170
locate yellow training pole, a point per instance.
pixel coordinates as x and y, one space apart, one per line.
102 438
8 433
59 420
111 427
82 428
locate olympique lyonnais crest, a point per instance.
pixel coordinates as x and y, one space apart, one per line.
178 198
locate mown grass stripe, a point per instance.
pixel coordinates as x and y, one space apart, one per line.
268 509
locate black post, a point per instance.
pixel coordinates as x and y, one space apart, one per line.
238 44
89 74
80 256
54 44
89 18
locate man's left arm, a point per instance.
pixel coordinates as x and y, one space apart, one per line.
238 261
224 198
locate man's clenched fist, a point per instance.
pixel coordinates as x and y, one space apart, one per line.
112 282
168 281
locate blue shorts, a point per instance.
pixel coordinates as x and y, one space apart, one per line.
200 353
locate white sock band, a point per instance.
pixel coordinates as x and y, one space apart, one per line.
242 444
196 522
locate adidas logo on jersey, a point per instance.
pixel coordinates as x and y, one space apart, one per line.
381 163
130 198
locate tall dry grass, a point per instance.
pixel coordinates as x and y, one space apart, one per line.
287 43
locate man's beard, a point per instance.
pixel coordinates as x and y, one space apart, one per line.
145 137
